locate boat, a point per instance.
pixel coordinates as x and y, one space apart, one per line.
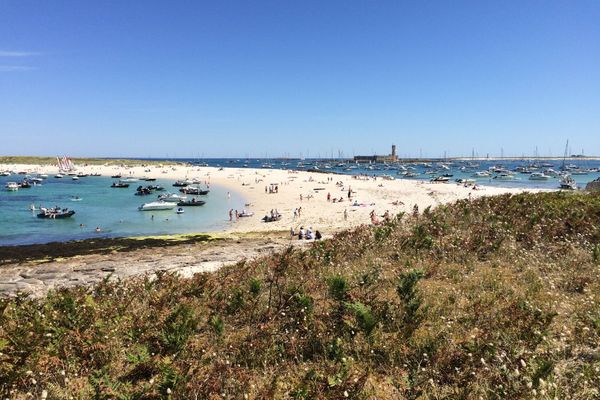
191 203
5 173
567 182
481 174
157 206
76 198
55 213
171 197
119 185
180 210
538 176
504 176
12 186
193 190
25 184
440 179
117 176
245 213
143 191
82 175
271 218
130 179
58 176
181 184
75 178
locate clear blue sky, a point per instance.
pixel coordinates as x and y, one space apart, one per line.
236 78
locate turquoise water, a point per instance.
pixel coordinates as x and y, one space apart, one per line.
113 210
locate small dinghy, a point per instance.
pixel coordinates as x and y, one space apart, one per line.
180 210
55 213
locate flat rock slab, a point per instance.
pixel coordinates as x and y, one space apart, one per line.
37 279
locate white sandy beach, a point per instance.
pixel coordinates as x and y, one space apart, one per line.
378 195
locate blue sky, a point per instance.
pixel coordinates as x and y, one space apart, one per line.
273 78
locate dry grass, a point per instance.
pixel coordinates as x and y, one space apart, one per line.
496 298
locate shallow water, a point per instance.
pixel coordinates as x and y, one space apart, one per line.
113 210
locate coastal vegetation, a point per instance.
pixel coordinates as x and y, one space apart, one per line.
31 160
496 298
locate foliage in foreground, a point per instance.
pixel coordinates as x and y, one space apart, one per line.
496 298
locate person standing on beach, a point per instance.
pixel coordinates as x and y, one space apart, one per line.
237 216
328 196
231 214
349 192
345 214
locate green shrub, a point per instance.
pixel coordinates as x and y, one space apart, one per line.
178 327
217 324
254 287
365 319
338 287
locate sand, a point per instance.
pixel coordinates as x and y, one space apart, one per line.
248 237
302 190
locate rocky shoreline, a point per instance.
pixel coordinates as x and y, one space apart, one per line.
86 263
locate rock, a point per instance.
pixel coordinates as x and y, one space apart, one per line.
593 186
32 281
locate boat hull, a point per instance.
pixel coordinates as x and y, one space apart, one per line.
67 214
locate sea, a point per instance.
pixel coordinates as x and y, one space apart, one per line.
115 211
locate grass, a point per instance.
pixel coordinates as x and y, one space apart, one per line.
27 160
497 298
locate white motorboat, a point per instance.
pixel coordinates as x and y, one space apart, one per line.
12 186
157 206
75 178
58 176
538 176
5 173
567 182
503 176
481 174
130 179
171 198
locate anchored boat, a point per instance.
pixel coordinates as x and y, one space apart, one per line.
157 206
